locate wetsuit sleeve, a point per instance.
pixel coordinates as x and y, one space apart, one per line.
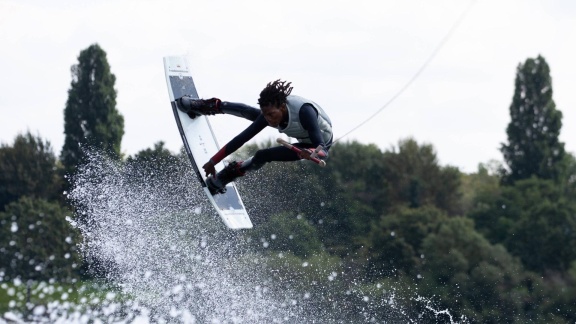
309 120
256 127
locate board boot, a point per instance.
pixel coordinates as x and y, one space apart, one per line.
217 184
197 107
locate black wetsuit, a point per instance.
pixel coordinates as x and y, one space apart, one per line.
308 118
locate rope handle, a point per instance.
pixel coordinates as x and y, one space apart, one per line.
313 156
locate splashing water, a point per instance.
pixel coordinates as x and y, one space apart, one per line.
154 234
151 233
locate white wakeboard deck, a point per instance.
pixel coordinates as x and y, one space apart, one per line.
200 143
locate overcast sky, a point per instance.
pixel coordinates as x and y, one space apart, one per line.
351 57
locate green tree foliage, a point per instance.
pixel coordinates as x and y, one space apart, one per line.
535 221
90 117
28 168
359 168
355 179
360 184
563 290
156 158
393 245
473 277
533 147
569 177
415 178
544 236
288 233
36 241
479 187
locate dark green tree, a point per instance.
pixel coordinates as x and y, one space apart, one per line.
356 192
535 221
544 235
36 241
28 168
415 178
157 158
533 147
394 244
569 177
90 117
359 168
288 233
479 187
473 277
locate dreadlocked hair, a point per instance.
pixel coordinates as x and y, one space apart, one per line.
275 93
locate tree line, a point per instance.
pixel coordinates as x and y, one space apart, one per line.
496 246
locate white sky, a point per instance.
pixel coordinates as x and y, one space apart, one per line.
351 57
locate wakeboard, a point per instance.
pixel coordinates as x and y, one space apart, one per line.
200 143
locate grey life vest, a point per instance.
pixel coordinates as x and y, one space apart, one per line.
294 127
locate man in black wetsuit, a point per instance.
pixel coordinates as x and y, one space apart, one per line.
292 115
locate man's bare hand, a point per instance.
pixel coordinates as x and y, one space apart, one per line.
305 153
209 168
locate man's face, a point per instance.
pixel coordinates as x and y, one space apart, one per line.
274 114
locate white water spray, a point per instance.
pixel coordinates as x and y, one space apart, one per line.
151 233
154 235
